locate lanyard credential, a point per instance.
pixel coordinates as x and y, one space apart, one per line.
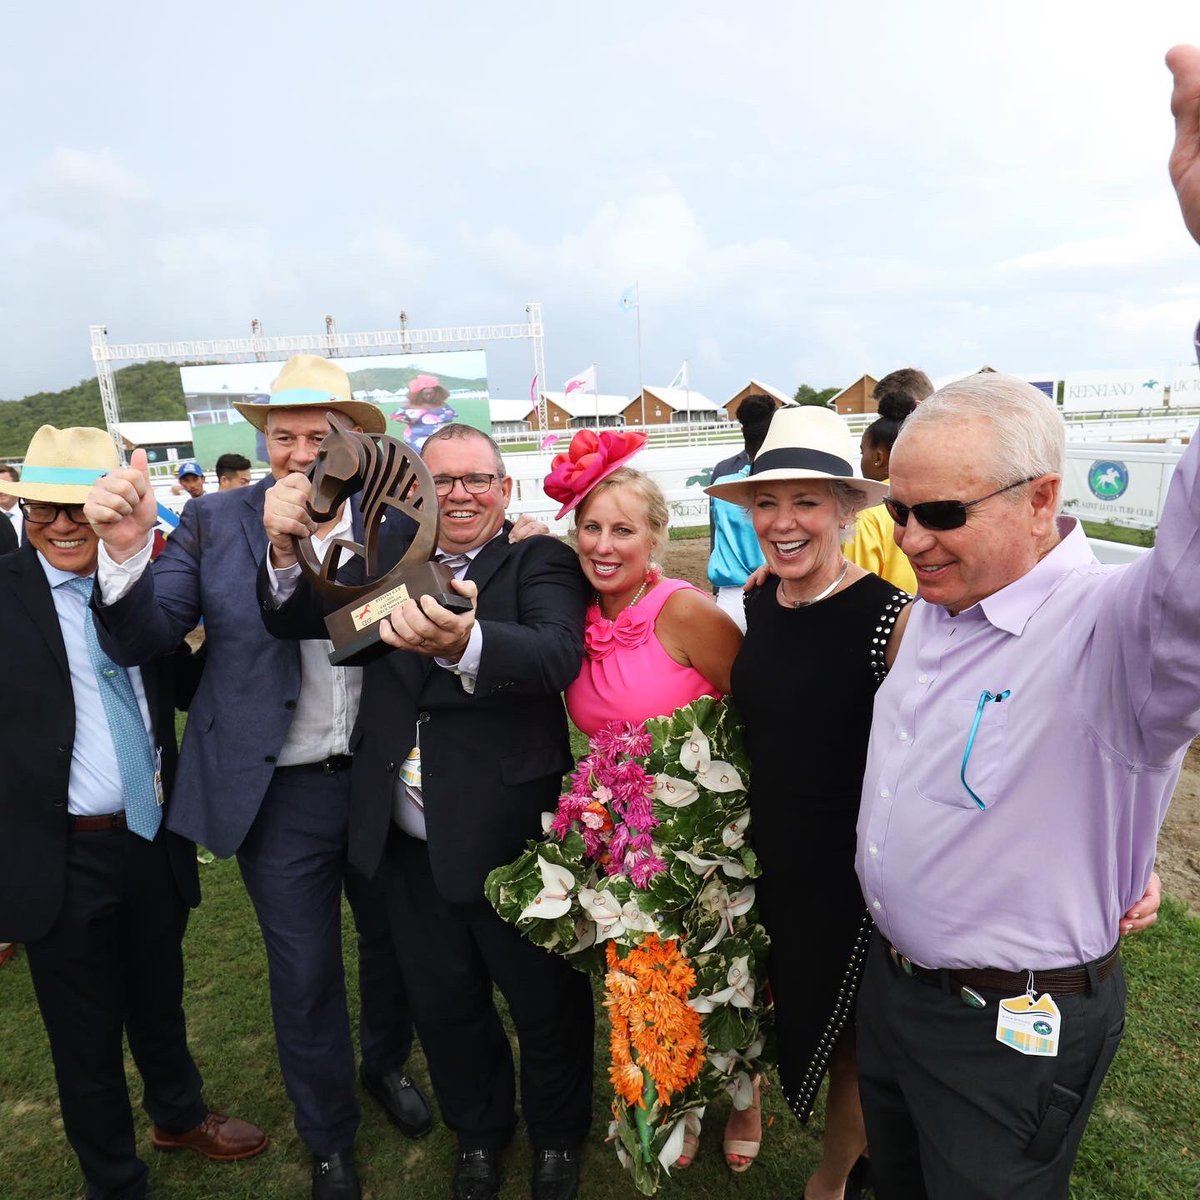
984 697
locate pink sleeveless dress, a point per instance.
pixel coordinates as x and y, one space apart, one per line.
626 674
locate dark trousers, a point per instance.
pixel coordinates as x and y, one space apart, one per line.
293 862
951 1113
112 964
452 955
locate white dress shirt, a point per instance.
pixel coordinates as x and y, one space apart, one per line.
17 518
327 704
94 784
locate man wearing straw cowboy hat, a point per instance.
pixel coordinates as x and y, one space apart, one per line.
265 769
90 879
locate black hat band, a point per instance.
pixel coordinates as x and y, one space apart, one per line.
797 458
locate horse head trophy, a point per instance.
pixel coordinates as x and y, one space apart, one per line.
391 477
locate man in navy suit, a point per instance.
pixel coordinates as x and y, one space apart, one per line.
460 746
264 767
90 879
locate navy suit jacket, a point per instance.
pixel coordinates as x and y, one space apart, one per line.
37 733
491 760
243 707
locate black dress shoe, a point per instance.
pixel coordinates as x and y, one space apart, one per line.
555 1175
477 1175
334 1178
402 1100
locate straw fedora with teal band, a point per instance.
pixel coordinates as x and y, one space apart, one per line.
806 442
62 464
309 381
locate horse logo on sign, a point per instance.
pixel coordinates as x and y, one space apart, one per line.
1108 480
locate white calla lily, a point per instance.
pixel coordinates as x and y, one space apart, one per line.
706 866
674 793
694 754
673 1146
739 993
741 1090
720 776
632 917
554 900
734 834
728 906
603 908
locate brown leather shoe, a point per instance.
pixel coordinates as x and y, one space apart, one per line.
217 1137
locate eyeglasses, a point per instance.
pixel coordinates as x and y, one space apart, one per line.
941 515
476 483
47 514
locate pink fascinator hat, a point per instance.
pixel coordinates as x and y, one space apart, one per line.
589 458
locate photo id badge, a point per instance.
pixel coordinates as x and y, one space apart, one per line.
1030 1026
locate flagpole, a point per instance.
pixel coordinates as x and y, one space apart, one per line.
637 308
687 393
596 395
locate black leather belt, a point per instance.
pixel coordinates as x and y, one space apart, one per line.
327 766
1059 981
100 824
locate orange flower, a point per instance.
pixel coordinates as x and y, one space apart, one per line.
653 1027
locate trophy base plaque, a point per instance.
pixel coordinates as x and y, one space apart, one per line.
354 629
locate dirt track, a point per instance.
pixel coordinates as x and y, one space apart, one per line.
1179 842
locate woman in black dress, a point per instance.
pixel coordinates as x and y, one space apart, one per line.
821 634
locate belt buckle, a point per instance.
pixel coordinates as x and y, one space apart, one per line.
901 960
327 766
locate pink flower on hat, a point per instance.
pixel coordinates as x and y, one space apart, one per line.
589 458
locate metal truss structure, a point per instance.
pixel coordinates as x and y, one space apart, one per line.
261 348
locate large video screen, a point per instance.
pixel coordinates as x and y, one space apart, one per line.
417 393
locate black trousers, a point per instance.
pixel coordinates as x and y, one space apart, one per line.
951 1113
294 865
452 955
112 964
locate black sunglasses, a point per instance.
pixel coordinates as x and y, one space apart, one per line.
37 513
941 515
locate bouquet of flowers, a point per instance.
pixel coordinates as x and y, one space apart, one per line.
645 878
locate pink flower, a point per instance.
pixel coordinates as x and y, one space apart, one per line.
642 873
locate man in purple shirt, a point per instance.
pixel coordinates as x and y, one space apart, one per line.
1023 752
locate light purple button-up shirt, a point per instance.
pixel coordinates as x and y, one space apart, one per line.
1076 766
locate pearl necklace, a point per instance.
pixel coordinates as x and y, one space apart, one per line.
821 595
636 597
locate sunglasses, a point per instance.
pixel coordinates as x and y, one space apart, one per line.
941 515
46 514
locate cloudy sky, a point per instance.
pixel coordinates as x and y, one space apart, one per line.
803 191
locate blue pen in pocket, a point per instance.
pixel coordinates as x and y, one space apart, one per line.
984 698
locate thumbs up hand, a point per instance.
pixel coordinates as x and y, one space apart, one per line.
121 508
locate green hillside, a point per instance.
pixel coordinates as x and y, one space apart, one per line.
147 392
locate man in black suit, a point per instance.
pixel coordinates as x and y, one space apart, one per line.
460 746
90 879
10 512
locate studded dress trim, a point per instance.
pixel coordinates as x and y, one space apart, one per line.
801 1100
883 632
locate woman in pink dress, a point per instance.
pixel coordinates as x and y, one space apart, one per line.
652 644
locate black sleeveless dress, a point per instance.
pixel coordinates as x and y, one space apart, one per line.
804 682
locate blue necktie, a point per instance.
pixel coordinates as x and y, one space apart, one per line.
134 760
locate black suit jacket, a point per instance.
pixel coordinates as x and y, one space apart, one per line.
491 760
37 732
8 535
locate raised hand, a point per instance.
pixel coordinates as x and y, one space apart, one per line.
285 516
1184 64
121 508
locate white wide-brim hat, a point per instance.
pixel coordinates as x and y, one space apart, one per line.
61 465
806 442
309 381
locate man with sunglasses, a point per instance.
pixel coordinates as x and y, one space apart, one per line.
1023 752
460 746
91 880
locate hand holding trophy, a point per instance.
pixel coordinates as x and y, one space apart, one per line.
391 478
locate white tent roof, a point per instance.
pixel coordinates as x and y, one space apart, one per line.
509 410
584 404
155 433
684 399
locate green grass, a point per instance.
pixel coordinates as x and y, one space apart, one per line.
1109 532
1143 1141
